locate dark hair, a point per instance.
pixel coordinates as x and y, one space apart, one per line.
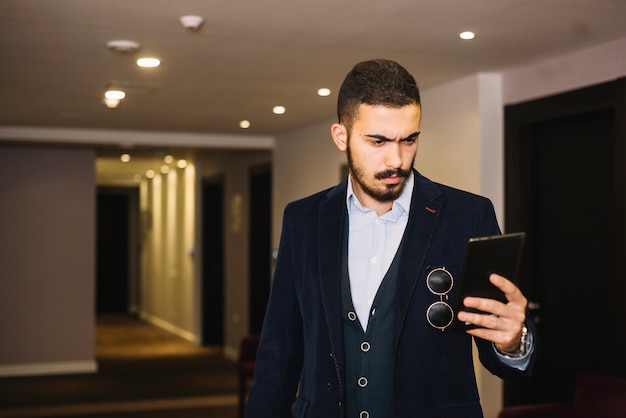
377 82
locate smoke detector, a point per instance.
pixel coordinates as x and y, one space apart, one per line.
123 46
192 22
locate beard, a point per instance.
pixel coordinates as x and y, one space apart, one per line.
384 193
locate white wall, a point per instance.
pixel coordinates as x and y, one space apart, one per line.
461 141
168 225
584 68
47 260
305 161
449 147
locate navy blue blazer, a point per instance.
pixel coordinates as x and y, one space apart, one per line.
301 349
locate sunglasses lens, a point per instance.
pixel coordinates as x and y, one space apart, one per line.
439 315
439 281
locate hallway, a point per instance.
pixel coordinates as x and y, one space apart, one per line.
142 371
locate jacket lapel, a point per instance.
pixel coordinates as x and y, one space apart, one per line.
423 218
331 225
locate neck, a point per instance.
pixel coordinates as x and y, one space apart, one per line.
369 202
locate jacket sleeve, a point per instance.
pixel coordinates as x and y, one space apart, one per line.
279 356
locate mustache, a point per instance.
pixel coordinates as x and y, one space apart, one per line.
393 172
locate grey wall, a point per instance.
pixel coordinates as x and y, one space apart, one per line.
47 260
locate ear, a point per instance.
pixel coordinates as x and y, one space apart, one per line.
340 136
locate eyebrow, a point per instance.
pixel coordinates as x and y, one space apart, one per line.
414 135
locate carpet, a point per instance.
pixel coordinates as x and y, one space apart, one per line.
142 371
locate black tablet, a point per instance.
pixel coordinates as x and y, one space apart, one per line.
500 254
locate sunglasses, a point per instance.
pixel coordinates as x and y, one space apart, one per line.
440 282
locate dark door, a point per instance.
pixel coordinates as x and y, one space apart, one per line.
565 172
113 257
260 243
213 261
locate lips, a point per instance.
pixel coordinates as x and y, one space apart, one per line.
392 179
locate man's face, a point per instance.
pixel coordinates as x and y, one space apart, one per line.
381 150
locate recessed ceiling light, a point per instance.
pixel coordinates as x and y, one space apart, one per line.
150 174
168 159
467 35
165 169
137 178
279 110
244 124
192 22
148 62
115 94
125 158
323 92
181 163
123 46
111 103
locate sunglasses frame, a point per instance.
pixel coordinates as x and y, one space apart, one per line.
441 301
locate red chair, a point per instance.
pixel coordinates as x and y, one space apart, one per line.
245 367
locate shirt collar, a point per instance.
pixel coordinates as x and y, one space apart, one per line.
401 205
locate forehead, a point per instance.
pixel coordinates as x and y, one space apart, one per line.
384 119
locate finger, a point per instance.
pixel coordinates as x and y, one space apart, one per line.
489 306
479 320
510 312
510 290
483 304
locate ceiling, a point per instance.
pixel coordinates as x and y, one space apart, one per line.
252 55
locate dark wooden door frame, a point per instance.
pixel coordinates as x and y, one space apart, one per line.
518 120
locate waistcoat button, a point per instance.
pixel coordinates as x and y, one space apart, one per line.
364 414
362 381
351 316
365 346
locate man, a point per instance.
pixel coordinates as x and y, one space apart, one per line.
349 326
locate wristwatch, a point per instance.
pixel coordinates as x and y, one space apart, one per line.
523 344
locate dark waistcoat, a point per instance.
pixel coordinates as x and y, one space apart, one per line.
369 368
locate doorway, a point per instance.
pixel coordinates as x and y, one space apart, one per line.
213 261
117 276
260 243
565 174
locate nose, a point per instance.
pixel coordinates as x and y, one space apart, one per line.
394 155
